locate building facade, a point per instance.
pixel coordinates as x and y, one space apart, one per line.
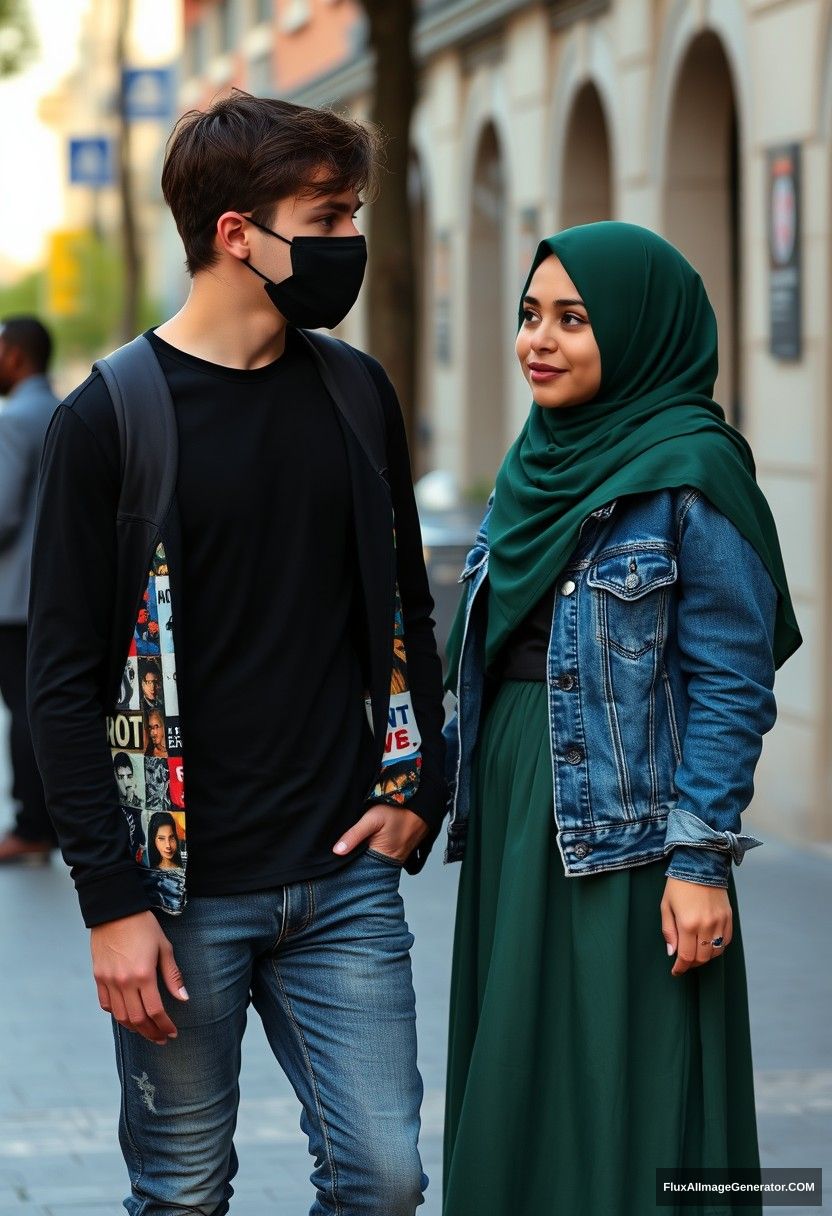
85 106
707 120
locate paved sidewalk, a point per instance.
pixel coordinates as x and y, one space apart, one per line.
59 1101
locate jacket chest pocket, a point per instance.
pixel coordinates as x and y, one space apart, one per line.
630 600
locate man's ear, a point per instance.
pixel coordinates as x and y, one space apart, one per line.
232 235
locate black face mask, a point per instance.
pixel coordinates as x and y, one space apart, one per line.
327 273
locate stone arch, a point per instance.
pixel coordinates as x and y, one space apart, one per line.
701 193
422 228
484 385
481 323
587 60
586 190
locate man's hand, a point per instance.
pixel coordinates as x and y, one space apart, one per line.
391 830
126 955
694 915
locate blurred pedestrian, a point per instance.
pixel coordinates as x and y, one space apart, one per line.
614 658
292 466
25 350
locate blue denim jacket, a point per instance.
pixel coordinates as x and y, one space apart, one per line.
660 677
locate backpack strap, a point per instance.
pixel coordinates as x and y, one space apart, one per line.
353 390
148 439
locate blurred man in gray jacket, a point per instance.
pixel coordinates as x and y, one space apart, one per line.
25 348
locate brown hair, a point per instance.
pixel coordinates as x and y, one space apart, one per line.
247 153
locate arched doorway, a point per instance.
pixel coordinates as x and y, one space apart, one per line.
702 197
485 413
422 442
586 192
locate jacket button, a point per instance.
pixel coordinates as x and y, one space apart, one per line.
567 588
573 755
566 683
582 850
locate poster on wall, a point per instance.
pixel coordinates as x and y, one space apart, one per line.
783 186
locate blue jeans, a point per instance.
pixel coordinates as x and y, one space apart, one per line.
326 964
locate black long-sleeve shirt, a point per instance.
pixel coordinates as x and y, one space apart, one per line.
271 658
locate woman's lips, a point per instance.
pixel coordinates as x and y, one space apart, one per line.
541 373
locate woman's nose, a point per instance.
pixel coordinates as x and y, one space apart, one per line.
544 341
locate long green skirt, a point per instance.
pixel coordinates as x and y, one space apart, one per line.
577 1064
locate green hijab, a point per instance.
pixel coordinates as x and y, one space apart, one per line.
653 425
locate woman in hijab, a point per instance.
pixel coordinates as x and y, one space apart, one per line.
614 656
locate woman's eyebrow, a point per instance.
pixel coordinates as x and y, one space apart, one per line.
558 303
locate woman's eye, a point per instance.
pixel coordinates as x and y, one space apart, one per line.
572 319
528 315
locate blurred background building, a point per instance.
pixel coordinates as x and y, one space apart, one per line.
707 120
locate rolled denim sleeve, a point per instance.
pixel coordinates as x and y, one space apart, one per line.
725 629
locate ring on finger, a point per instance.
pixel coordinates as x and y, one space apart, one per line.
717 942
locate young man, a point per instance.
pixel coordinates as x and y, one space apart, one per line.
25 350
276 568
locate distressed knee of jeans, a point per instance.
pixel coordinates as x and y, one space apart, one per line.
147 1090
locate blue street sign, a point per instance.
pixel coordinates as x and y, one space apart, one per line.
148 92
91 162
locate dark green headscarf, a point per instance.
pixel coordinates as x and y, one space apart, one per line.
653 425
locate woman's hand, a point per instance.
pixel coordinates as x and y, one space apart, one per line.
693 916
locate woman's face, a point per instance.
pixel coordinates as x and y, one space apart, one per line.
556 346
165 841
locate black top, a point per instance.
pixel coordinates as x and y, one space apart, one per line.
271 692
523 657
88 567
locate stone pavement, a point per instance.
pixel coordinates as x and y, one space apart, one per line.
59 1100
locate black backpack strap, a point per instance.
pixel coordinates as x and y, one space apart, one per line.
353 390
148 438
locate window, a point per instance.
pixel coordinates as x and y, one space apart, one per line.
196 48
259 80
294 15
228 15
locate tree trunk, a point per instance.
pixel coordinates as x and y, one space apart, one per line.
129 231
391 286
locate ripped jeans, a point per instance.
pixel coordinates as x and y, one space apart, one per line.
326 964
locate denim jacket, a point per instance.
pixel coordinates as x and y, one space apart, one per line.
660 674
